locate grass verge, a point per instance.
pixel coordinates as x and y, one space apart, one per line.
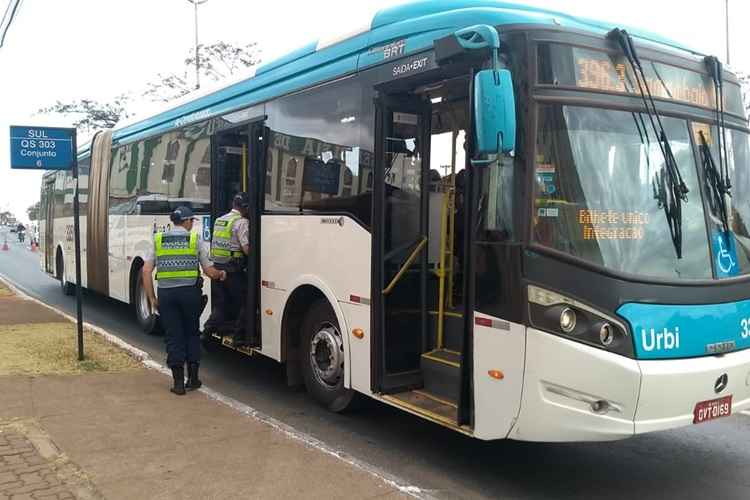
4 290
51 348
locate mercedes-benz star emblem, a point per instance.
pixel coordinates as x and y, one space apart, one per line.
721 383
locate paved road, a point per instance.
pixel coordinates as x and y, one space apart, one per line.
707 461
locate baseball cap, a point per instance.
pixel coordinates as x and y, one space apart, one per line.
181 214
242 199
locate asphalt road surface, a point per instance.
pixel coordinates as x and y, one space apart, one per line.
708 461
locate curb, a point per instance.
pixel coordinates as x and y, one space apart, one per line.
400 485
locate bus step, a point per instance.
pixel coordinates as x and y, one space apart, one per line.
441 370
428 405
227 341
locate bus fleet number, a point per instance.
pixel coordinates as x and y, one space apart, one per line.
745 324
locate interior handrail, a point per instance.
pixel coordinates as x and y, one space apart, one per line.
409 261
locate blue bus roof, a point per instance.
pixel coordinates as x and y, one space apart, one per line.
418 23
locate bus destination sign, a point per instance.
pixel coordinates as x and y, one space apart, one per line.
42 148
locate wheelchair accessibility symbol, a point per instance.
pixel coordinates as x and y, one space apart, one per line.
726 257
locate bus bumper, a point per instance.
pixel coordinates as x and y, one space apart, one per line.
574 392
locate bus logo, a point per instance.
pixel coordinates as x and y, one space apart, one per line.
665 340
721 383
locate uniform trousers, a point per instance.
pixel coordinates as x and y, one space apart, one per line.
228 303
180 310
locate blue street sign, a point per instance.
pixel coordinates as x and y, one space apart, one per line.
42 148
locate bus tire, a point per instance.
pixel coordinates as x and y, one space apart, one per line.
67 287
147 321
323 358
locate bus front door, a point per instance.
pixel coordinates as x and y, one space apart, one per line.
400 242
49 225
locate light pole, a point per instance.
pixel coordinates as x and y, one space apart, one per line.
196 3
726 11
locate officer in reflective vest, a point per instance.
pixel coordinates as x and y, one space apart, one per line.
230 246
177 255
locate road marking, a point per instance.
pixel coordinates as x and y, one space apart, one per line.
747 413
308 440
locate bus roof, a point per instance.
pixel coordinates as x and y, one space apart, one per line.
417 23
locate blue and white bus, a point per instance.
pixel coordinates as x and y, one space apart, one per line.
509 221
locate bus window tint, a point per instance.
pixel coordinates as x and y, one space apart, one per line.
122 179
153 185
594 195
738 153
314 160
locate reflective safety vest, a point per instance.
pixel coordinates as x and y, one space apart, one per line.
222 249
177 258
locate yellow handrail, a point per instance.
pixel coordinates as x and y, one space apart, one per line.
405 266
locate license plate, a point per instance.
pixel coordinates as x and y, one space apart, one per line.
712 409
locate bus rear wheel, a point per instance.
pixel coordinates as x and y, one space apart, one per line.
323 358
66 286
147 321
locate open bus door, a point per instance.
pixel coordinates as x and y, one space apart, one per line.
238 156
420 265
400 231
49 225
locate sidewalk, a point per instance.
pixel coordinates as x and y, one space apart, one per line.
111 429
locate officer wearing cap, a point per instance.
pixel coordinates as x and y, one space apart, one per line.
177 255
230 246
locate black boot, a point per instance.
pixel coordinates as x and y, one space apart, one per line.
193 380
178 374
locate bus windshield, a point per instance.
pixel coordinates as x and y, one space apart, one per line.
597 173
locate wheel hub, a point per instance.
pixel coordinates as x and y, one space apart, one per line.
327 355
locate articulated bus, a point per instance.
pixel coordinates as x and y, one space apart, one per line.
509 221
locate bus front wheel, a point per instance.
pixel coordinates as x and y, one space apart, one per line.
323 358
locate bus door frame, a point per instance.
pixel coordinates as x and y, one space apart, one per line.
49 226
257 140
385 104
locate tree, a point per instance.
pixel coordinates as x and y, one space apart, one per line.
91 115
218 61
33 211
6 217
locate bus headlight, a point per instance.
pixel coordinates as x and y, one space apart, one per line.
569 318
606 334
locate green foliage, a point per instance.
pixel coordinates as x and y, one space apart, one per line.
91 115
33 211
218 61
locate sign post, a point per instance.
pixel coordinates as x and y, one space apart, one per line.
51 148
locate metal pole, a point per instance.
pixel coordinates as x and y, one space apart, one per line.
197 53
77 235
726 10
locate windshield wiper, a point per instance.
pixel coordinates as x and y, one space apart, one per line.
713 177
669 187
718 178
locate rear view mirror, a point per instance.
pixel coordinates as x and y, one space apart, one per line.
494 112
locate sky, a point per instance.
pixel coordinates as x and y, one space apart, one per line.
72 49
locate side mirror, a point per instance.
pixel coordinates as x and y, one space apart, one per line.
494 112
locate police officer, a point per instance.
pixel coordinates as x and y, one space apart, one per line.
230 246
177 254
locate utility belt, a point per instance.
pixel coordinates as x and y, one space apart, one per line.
237 266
